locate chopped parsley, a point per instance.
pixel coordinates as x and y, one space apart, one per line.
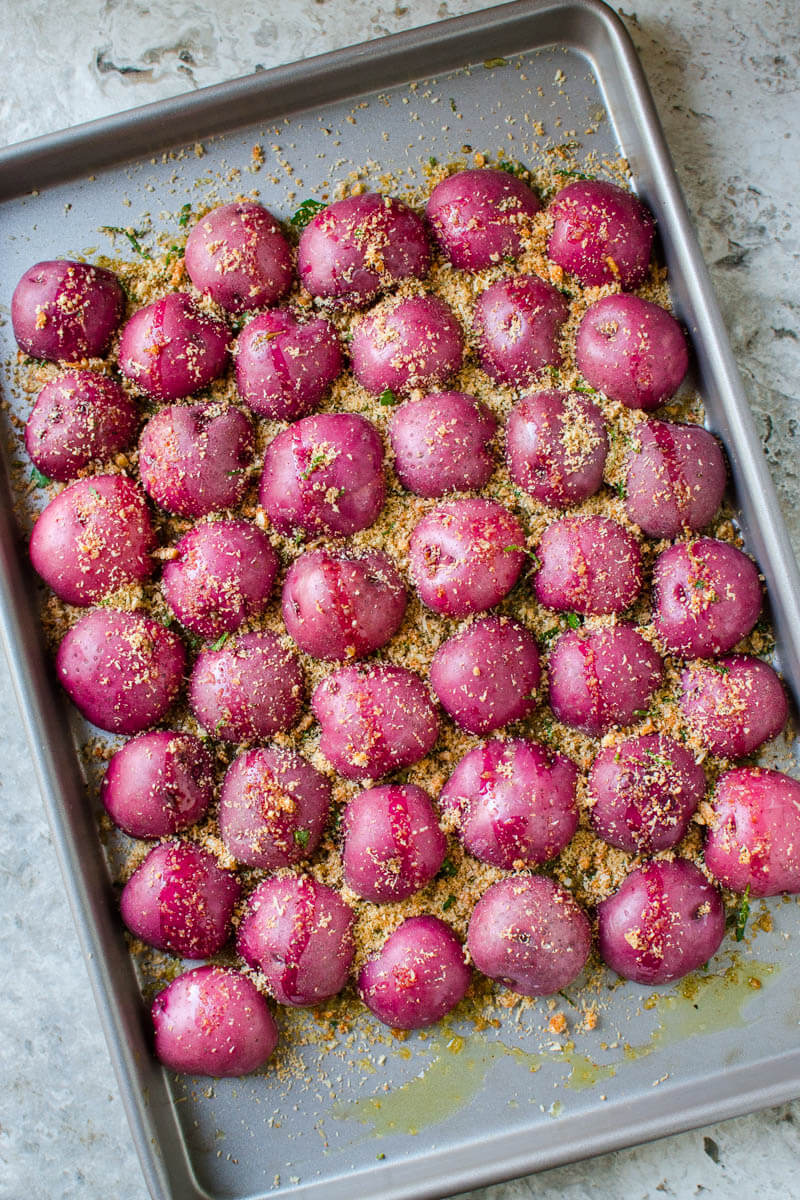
448 903
742 915
573 620
522 550
220 642
513 168
301 836
316 461
184 214
132 235
448 869
491 63
38 478
305 213
453 105
387 398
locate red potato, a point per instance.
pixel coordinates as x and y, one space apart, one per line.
120 669
193 459
324 475
589 565
556 447
181 900
285 365
158 783
63 311
665 921
247 690
338 606
374 719
93 539
79 418
601 233
487 674
514 802
643 793
273 808
443 443
406 343
299 934
602 678
361 246
753 838
211 1021
734 704
529 934
237 255
222 575
675 478
465 556
632 350
418 976
172 348
392 843
706 597
478 217
517 322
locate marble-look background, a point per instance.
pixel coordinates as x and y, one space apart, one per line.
726 79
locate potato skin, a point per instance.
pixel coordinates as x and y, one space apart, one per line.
556 447
706 597
158 783
285 365
517 323
477 216
78 418
374 719
675 478
443 443
529 934
601 233
734 704
754 837
419 974
392 843
94 538
602 678
588 565
212 1021
248 689
64 311
632 350
238 255
172 348
122 670
665 921
406 343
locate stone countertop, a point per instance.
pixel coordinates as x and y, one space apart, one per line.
726 80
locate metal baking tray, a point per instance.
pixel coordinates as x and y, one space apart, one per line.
458 1113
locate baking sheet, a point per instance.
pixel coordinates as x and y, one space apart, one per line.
459 1112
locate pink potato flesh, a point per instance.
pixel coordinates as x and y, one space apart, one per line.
121 669
93 539
248 689
181 900
212 1021
675 478
514 802
665 921
529 934
158 783
753 837
518 323
406 343
78 418
360 246
64 311
299 934
221 576
392 843
443 443
589 565
374 719
324 475
601 233
172 348
632 350
487 674
556 447
237 255
643 793
273 808
465 556
338 606
285 365
706 597
193 459
602 678
733 705
478 217
418 976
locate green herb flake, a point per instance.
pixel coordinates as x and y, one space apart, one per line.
453 105
184 214
39 479
491 63
220 642
316 461
548 635
132 235
720 668
448 869
301 836
513 168
621 490
380 1156
305 213
387 398
568 999
742 915
433 162
573 620
449 902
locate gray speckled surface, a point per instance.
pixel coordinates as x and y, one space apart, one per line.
726 77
